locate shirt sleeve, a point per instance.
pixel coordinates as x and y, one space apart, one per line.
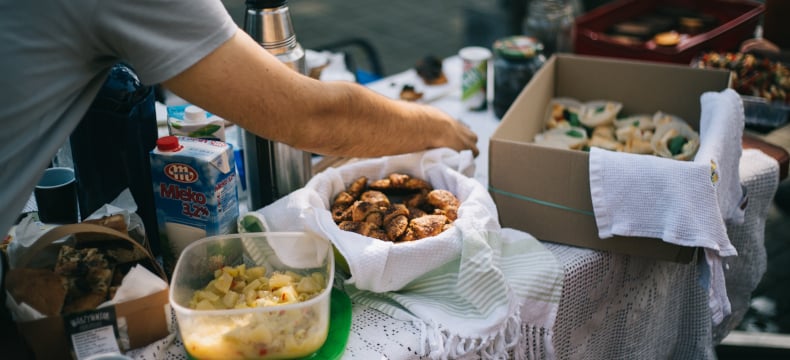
162 38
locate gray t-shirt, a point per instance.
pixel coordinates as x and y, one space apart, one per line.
55 56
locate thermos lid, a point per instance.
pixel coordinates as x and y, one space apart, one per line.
265 4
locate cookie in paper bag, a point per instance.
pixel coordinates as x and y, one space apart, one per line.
42 289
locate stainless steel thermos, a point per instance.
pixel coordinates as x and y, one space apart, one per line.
273 169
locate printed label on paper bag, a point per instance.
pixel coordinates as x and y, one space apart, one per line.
92 332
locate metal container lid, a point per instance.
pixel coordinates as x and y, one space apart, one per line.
518 47
265 4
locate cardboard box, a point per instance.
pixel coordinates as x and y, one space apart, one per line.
735 21
546 191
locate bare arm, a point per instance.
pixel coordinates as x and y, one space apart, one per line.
243 83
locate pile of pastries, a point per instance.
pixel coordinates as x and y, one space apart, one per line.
752 75
571 124
398 208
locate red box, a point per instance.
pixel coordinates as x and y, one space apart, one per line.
735 21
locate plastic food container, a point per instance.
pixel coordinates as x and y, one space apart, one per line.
762 114
268 332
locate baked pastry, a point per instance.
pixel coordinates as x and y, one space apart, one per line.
340 207
89 276
42 289
675 140
425 226
376 198
367 212
574 138
669 38
445 202
573 125
563 113
358 186
364 228
409 93
600 112
397 181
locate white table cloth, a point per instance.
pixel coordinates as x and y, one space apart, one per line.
613 306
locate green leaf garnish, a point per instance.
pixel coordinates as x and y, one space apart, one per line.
573 118
574 133
675 144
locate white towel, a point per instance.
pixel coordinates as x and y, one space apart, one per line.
683 203
469 289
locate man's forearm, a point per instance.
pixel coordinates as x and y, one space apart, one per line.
355 121
242 83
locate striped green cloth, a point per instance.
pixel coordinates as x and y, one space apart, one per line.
498 300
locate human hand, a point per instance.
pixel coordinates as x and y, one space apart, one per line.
456 135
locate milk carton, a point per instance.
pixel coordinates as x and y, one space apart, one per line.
192 121
195 192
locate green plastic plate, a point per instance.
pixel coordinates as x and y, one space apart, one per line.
339 327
